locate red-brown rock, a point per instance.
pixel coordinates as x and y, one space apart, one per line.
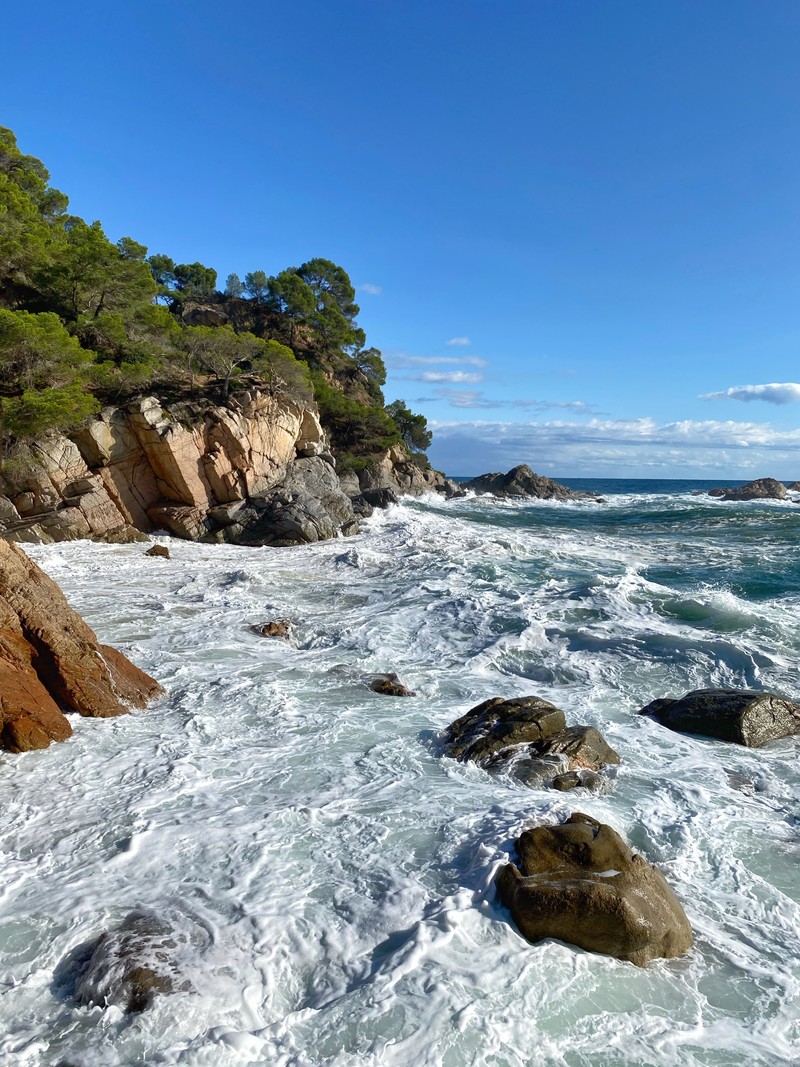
51 661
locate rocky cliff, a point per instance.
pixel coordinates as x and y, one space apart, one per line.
51 661
254 470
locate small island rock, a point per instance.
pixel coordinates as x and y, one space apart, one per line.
760 489
521 481
497 723
580 883
158 550
739 715
527 738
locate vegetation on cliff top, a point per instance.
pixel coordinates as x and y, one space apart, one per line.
85 321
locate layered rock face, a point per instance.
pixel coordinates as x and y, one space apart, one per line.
580 883
743 716
51 661
188 470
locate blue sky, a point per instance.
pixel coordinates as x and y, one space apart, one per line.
574 224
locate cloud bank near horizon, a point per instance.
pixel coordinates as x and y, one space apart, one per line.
619 448
772 393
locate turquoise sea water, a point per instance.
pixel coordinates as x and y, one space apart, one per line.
329 874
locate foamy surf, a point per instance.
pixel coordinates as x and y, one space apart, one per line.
329 874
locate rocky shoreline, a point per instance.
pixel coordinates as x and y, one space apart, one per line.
251 471
576 881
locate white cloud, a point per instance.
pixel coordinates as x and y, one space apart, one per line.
458 341
457 377
617 447
369 289
475 398
402 360
772 393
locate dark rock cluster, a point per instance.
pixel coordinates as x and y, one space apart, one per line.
528 738
521 481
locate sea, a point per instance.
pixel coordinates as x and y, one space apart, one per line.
328 873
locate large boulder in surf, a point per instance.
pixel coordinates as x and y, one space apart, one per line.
497 724
580 883
739 715
527 738
129 965
51 661
760 489
521 481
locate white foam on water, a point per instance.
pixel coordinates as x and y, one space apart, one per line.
329 875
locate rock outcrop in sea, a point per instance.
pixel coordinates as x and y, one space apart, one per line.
51 661
521 481
254 470
580 883
743 716
759 489
528 738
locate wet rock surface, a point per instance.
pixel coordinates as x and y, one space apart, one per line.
389 685
159 551
743 716
580 883
497 724
528 739
129 966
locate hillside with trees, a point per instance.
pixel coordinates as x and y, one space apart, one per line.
85 321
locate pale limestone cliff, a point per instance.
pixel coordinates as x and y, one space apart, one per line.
147 468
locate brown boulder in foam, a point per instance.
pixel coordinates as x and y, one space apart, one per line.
580 883
51 661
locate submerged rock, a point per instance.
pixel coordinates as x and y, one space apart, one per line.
580 883
521 481
590 780
275 628
389 685
739 715
130 965
158 550
51 660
